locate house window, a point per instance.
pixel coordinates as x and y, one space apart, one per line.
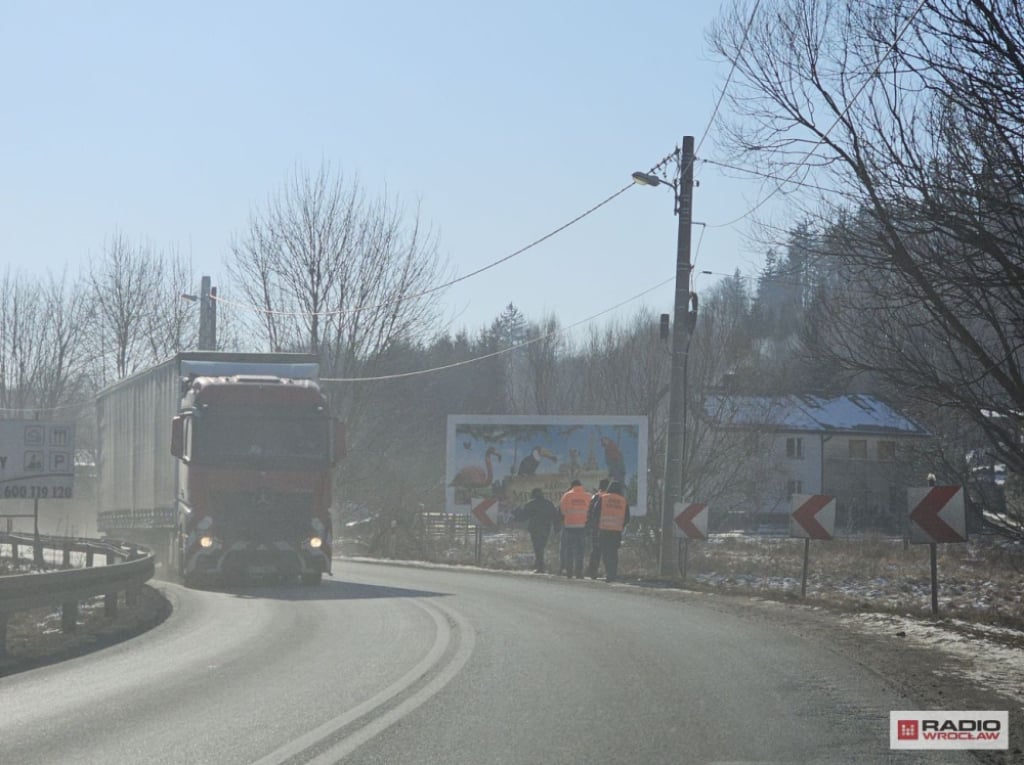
887 450
795 448
858 449
795 487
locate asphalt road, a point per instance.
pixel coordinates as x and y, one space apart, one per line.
389 664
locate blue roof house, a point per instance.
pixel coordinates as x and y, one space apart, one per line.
856 448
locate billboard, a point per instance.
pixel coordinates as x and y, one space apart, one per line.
507 456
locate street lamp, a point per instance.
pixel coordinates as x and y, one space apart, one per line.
682 187
646 179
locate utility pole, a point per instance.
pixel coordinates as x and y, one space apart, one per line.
207 316
684 318
676 442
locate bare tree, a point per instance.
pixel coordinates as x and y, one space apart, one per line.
126 282
330 271
42 349
535 375
912 114
172 325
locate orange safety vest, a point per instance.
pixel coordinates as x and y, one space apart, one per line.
613 512
574 506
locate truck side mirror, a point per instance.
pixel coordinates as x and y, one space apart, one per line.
340 447
178 436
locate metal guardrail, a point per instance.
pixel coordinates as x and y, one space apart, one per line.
127 568
158 518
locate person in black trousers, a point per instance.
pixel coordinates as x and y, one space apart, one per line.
612 517
595 542
541 516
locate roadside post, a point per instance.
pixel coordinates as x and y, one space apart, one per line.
813 517
691 522
936 517
485 515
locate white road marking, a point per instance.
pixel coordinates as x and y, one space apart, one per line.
442 641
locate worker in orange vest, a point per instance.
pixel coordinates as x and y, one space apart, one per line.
574 504
612 517
592 518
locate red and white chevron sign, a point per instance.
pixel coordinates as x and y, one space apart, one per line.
691 520
485 512
937 514
814 516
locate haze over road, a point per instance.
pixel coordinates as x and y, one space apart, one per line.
390 664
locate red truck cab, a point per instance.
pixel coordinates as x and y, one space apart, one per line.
255 458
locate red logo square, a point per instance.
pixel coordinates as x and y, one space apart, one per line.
906 730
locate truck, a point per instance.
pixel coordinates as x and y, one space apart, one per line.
223 464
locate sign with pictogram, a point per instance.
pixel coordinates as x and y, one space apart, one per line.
691 520
937 514
485 512
36 459
813 517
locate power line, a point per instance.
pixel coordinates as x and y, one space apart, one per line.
718 103
769 176
707 129
454 365
838 119
775 280
420 372
728 79
438 288
696 253
518 346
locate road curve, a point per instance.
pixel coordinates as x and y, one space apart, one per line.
392 664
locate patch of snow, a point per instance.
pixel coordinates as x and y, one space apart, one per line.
974 657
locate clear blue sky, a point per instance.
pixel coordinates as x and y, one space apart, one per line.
169 122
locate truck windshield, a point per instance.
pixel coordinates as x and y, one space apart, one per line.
297 443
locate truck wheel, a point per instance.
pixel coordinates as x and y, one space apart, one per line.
312 580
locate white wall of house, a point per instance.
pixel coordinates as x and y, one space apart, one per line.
860 466
800 453
855 448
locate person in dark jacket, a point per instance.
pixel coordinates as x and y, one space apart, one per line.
612 517
592 517
541 516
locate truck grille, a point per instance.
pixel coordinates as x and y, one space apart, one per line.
262 516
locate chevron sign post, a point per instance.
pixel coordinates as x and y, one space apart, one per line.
936 517
937 514
814 516
485 512
691 520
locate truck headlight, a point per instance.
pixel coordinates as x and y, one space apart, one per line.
206 542
315 542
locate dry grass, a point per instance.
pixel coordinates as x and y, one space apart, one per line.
980 581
